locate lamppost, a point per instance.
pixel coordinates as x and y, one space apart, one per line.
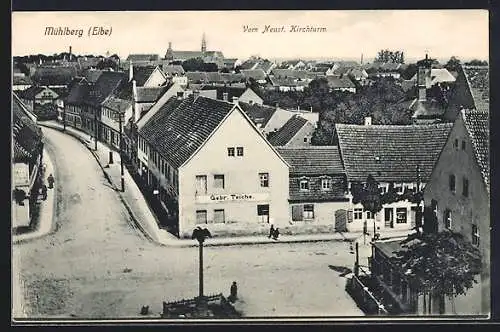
200 234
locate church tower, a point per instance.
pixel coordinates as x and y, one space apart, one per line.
170 53
203 44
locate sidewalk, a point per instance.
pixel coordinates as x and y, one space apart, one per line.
46 215
147 222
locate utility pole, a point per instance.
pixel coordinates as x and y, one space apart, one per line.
121 149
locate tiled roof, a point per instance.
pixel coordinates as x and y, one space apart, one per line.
259 114
231 91
290 73
315 192
478 80
173 70
26 135
55 75
143 57
186 55
478 126
232 78
391 153
265 65
358 73
30 92
248 64
116 104
288 81
151 95
288 131
257 74
312 160
77 94
142 74
179 132
196 76
85 63
92 75
106 84
338 83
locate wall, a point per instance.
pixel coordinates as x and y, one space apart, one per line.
156 79
465 211
241 176
277 120
249 96
298 140
324 212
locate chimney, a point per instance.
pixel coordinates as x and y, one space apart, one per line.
277 105
196 94
70 53
130 71
235 100
225 96
368 121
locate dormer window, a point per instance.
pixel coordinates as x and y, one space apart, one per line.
326 184
304 184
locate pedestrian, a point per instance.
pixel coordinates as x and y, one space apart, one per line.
276 234
234 292
50 180
44 192
271 231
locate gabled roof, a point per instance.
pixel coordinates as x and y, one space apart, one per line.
391 152
249 64
106 84
478 81
21 80
290 73
259 114
337 83
312 160
142 74
92 75
30 92
220 90
439 75
288 131
178 133
256 74
116 104
143 57
232 77
477 124
265 65
151 95
55 75
78 94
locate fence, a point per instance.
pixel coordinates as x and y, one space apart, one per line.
364 298
188 307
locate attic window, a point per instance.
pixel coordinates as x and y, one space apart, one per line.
377 159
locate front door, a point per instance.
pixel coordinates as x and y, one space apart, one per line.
389 217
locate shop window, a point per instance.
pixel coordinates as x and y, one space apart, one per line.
447 219
358 213
219 181
201 216
475 235
401 215
263 213
219 217
264 179
308 211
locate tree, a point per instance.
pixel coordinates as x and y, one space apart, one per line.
371 200
390 56
476 62
195 64
453 64
439 264
200 235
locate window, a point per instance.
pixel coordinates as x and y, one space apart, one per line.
398 187
326 184
475 235
201 216
447 219
382 189
308 211
465 187
358 213
219 181
201 184
463 145
304 184
452 183
401 215
263 213
219 217
230 152
239 151
264 179
305 139
455 144
370 215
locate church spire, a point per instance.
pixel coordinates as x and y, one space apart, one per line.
203 44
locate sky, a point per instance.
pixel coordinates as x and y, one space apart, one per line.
346 34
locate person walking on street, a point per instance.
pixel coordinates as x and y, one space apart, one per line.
44 192
271 231
276 234
233 292
50 180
